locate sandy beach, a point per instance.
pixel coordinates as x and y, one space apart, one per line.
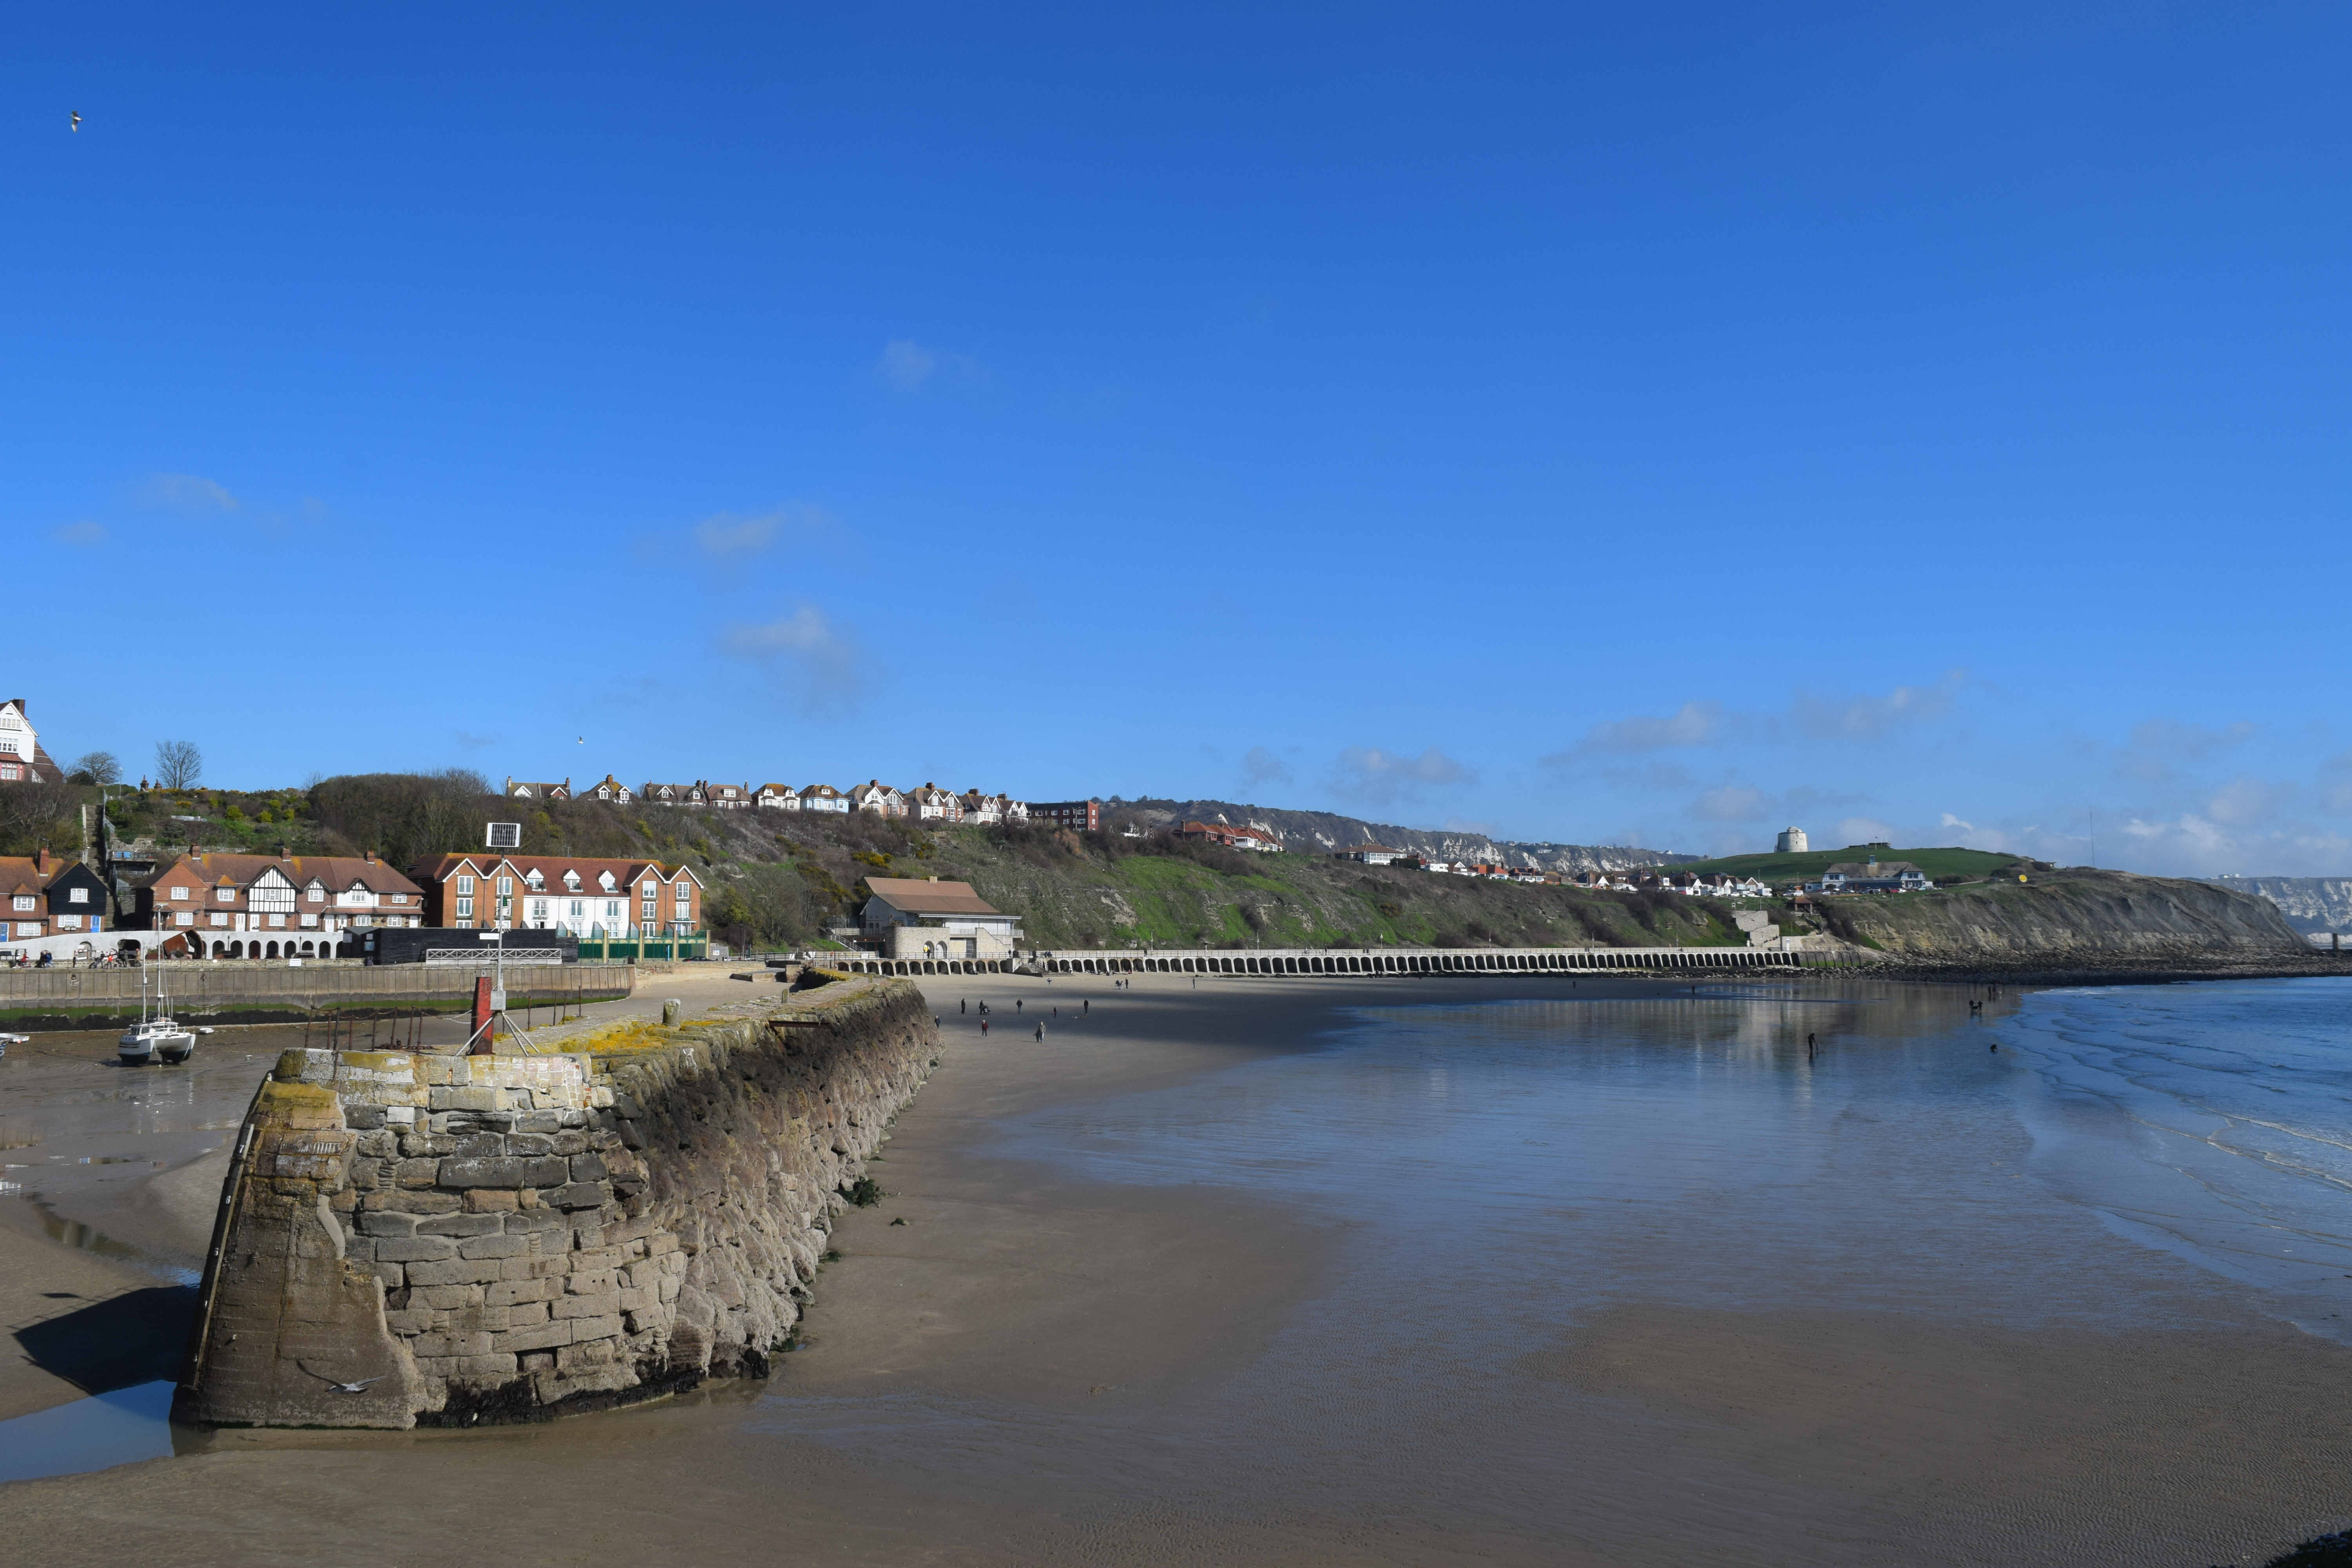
1014 1361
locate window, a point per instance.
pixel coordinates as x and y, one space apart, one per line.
611 909
184 918
465 884
23 900
226 895
219 919
11 771
577 909
9 747
572 882
539 908
465 909
505 887
8 720
651 911
69 922
310 923
534 881
180 895
77 895
30 928
647 889
606 882
396 897
318 894
277 919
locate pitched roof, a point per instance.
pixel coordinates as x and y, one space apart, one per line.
625 872
922 896
1883 868
334 870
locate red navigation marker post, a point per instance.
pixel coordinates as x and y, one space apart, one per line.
478 1042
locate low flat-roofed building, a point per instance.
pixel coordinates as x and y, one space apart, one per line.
926 918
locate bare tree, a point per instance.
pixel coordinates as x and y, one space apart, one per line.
96 768
178 764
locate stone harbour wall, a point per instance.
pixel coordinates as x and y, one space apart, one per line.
449 1239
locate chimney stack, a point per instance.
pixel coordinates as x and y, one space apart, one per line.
41 859
371 857
282 852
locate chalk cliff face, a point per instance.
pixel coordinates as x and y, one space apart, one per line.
457 1239
2310 903
2076 916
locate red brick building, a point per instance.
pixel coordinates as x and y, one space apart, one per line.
275 906
1085 815
586 897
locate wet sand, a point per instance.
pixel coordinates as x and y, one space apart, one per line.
1060 1362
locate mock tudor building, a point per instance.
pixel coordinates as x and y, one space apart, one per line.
22 760
586 897
932 804
275 906
879 798
926 918
48 895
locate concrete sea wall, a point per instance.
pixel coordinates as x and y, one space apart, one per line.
447 1240
271 992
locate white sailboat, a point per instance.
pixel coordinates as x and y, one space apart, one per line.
158 1035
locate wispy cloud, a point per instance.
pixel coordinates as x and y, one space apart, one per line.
1376 777
85 534
187 493
1871 718
473 742
1261 766
2160 748
1732 802
812 662
908 366
1809 716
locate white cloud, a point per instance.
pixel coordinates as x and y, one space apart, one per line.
1692 724
907 365
2158 747
1872 718
1858 830
1731 803
818 665
1376 777
85 534
188 492
1261 766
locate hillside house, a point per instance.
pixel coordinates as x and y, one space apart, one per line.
1080 816
1368 854
22 760
932 804
585 896
1254 838
728 797
1873 877
877 799
675 794
524 789
43 894
824 797
280 906
776 797
925 918
613 791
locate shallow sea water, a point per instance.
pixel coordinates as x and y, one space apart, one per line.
1641 1276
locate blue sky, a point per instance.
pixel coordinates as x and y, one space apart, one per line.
1635 424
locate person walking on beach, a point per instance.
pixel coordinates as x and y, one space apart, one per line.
1086 1007
1041 1031
962 1006
1016 1004
983 1024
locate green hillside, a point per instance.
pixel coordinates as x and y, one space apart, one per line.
1948 865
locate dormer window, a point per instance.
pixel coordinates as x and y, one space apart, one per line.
608 882
572 882
317 893
534 881
226 895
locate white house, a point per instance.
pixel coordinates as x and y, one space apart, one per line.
612 790
1370 854
927 918
878 798
22 760
1876 877
824 797
777 798
932 804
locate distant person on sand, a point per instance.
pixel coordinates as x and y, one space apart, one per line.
1041 1031
961 1004
1086 1007
983 1025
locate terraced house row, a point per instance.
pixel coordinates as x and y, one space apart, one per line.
927 804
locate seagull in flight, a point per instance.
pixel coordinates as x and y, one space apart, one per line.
359 1387
76 119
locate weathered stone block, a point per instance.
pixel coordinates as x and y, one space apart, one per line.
469 1097
549 1265
447 1344
539 1337
483 1146
389 1273
539 1361
667 1289
638 1298
578 1195
412 1320
568 1142
456 1271
513 1292
545 1223
525 1314
544 1171
416 1249
491 1200
487 1367
461 1224
584 1350
588 1168
532 1143
597 1257
368 1118
401 1200
587 1308
495 1245
427 1144
443 1298
417 1173
591 1282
